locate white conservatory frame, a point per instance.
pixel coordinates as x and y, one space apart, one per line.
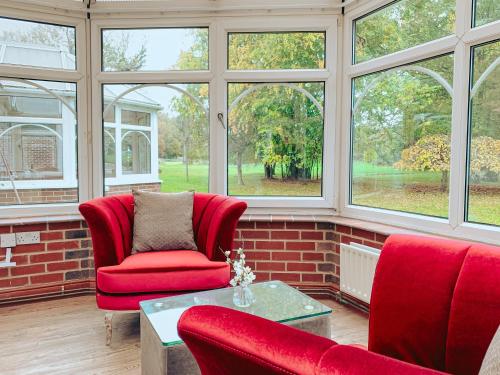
221 17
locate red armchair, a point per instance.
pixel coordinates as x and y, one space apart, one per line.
435 307
123 280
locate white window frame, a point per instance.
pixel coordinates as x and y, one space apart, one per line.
76 19
460 44
326 24
100 78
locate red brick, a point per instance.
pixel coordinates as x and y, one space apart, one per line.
247 245
6 229
249 234
300 245
303 267
4 272
300 225
363 233
30 248
284 235
46 257
50 236
286 277
270 225
270 266
29 227
64 225
47 278
258 255
20 259
13 282
262 276
348 239
380 237
63 245
71 265
27 270
286 255
311 235
313 256
312 277
376 245
343 229
246 225
325 246
269 245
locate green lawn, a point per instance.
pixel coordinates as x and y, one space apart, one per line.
374 186
418 192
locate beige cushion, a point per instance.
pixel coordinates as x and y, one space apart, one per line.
163 221
491 361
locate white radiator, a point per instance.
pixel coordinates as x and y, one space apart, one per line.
357 268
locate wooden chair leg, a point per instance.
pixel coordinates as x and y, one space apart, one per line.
108 323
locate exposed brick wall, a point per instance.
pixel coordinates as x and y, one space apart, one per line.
303 254
62 261
30 196
126 189
299 253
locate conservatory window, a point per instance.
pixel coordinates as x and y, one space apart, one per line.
276 129
145 50
161 144
484 135
401 125
485 11
401 25
37 127
37 44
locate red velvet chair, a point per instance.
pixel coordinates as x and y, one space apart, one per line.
435 307
123 280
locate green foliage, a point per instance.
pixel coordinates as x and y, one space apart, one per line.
402 25
116 56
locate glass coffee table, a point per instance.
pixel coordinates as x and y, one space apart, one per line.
163 352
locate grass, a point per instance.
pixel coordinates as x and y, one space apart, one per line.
374 186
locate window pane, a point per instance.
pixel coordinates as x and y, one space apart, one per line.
484 145
172 153
275 139
155 49
401 125
38 159
280 50
486 11
136 118
404 24
37 44
136 152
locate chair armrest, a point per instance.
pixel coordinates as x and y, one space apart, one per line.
223 226
351 360
226 341
110 223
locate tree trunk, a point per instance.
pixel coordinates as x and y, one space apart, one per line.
239 163
444 181
186 161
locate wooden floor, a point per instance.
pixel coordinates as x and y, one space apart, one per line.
67 336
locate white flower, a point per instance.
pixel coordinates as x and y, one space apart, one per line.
227 253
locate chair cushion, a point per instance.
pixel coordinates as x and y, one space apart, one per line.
163 271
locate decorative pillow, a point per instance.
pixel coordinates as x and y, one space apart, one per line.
491 361
163 221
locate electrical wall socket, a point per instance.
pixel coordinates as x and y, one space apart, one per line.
8 240
23 238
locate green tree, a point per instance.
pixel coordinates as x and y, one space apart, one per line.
116 56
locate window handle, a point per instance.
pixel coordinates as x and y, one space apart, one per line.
220 117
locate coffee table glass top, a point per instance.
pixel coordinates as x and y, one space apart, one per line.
274 300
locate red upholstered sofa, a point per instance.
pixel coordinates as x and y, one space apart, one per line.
435 307
123 280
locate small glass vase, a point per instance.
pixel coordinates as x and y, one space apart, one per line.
243 296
